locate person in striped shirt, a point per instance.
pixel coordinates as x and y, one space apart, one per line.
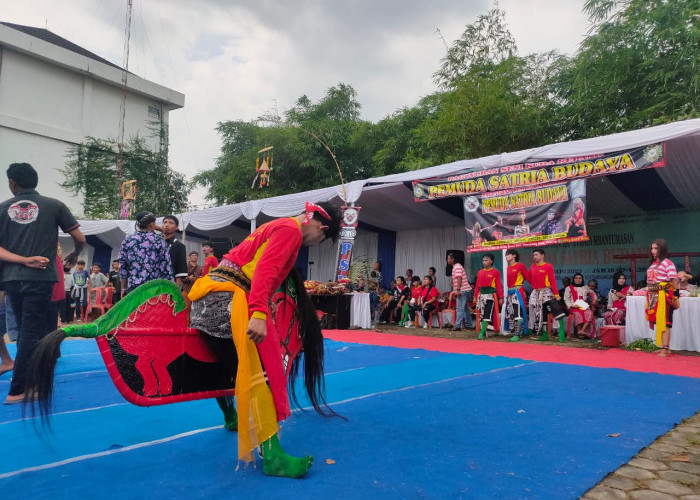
462 293
662 294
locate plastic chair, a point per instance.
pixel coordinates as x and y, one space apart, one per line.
452 309
109 297
96 300
430 318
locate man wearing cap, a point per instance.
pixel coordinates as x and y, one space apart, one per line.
29 225
178 252
144 255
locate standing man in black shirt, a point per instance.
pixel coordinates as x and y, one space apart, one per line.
29 225
178 252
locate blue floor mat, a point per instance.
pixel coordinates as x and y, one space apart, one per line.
419 425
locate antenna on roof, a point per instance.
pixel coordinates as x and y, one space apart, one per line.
122 107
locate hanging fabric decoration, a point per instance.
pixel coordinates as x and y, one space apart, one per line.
263 167
128 198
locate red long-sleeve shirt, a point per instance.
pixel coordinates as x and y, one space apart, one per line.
542 276
490 278
517 274
266 257
209 263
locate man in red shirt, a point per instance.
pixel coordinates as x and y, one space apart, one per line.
489 292
544 290
210 261
516 275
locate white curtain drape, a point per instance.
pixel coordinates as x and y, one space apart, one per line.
424 248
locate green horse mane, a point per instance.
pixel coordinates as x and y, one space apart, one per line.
123 309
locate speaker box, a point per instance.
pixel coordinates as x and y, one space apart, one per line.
222 246
459 258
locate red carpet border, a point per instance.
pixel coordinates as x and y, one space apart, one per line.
635 361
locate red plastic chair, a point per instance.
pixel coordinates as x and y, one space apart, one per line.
96 300
439 318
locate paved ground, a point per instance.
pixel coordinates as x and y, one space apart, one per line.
669 468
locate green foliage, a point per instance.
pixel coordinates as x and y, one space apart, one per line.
487 42
91 174
639 67
645 345
301 162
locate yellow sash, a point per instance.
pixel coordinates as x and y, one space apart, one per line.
257 418
658 316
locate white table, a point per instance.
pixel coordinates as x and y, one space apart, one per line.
360 314
685 333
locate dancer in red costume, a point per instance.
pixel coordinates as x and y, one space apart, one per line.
489 295
516 275
544 289
233 301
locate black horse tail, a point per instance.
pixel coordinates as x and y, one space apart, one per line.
312 351
40 375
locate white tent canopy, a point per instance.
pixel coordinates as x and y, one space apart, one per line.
388 204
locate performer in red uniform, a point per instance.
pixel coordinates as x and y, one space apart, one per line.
544 289
210 260
489 294
516 275
234 299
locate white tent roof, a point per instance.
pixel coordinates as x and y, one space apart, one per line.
387 202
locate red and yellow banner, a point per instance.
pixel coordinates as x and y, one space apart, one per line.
537 174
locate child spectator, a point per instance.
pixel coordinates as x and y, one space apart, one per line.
80 288
67 312
97 279
210 261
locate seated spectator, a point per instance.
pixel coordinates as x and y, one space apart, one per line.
431 273
565 283
413 304
684 286
428 299
599 305
578 298
409 275
617 300
399 294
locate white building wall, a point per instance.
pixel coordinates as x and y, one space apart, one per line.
48 106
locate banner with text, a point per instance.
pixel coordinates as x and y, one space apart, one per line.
538 174
554 213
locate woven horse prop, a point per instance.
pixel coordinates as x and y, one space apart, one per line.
151 355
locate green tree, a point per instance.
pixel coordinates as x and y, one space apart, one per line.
301 161
640 66
91 174
486 42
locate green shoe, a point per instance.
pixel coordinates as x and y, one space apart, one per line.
544 336
481 335
230 413
514 338
562 336
400 323
277 463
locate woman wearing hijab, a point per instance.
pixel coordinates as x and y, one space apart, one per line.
576 298
617 300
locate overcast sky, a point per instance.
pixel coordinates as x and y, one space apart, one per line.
235 60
